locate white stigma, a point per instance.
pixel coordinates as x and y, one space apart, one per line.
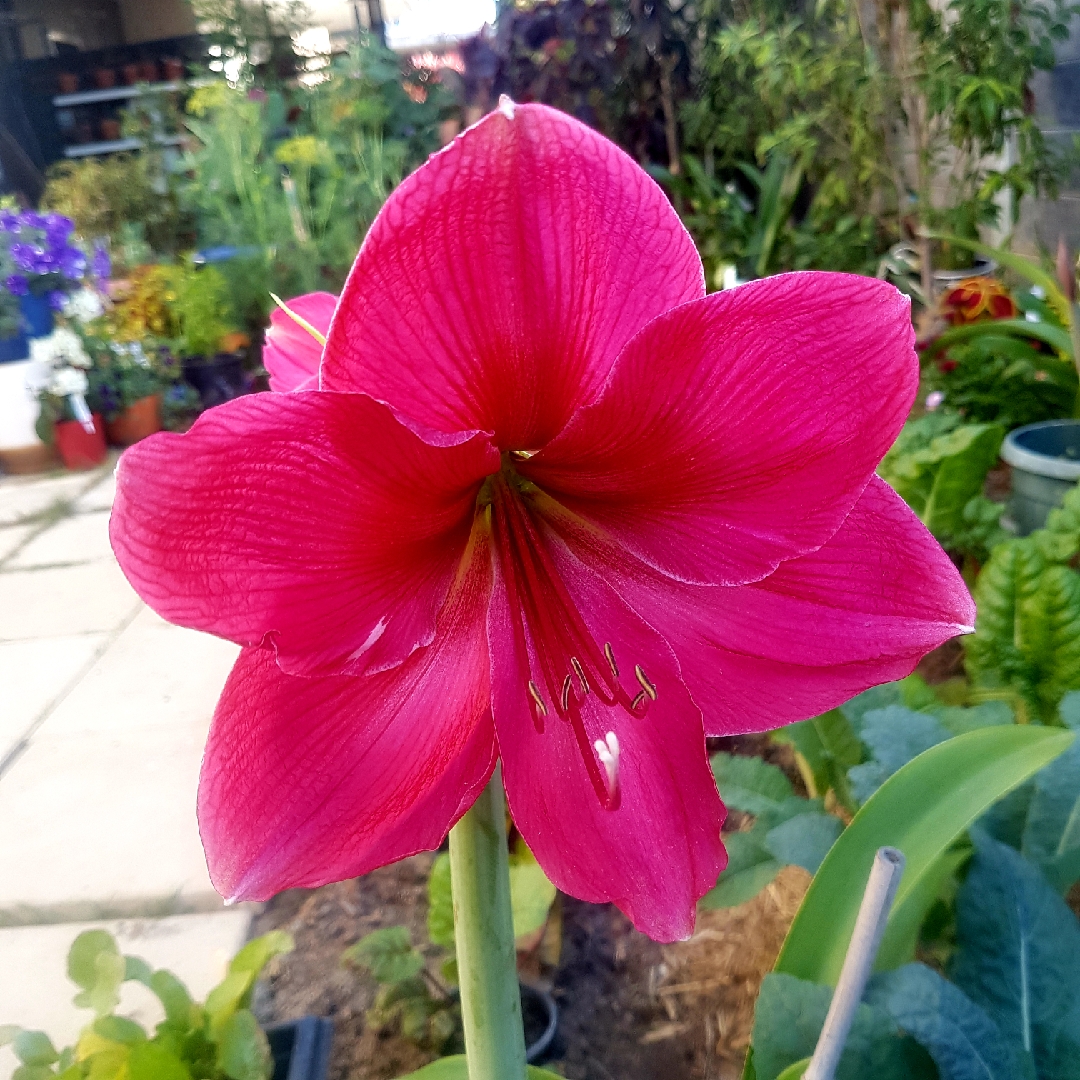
607 750
506 106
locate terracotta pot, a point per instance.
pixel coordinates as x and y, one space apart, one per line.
174 69
25 460
68 82
135 422
110 130
104 78
79 448
148 71
132 73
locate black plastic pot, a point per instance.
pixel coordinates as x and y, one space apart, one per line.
217 378
301 1048
541 1016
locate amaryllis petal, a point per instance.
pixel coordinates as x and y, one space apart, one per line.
657 850
315 522
290 353
310 780
737 432
861 610
502 278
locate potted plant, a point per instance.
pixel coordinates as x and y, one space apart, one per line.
217 1039
62 388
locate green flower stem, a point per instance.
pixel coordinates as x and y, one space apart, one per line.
484 930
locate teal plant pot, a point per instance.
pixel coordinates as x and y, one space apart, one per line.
1045 460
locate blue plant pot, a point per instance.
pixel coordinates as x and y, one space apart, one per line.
14 348
37 315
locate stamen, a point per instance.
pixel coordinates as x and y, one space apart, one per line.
575 663
566 686
534 690
645 682
607 750
639 701
609 652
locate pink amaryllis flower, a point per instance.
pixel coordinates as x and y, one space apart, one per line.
551 505
291 352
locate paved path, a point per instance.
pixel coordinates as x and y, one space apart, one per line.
104 710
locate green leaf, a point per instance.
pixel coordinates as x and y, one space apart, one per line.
963 1041
804 840
939 478
137 970
894 735
388 954
456 1068
229 995
243 1052
750 784
83 955
907 917
921 810
795 1072
119 1029
788 1019
33 1072
151 1061
440 919
1051 837
174 997
256 954
1054 336
34 1048
1018 957
750 868
531 893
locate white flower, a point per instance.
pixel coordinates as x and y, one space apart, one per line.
68 380
62 348
934 400
84 305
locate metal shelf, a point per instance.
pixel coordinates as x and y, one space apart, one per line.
115 145
114 93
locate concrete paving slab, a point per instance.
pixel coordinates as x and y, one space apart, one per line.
154 674
32 674
35 992
30 497
11 536
102 825
74 540
83 599
99 497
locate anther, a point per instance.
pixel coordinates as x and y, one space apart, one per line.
567 683
575 663
609 652
639 701
645 682
534 691
607 750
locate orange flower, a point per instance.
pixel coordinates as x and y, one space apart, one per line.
978 298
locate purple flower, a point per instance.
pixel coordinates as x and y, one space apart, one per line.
56 299
17 285
58 228
9 221
32 219
72 263
25 256
100 264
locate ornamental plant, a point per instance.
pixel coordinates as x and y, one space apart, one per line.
551 516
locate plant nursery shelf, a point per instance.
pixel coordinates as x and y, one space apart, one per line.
114 145
115 93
